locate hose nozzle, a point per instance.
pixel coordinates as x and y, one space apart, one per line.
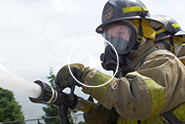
52 96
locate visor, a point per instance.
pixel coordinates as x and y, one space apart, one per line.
162 44
119 35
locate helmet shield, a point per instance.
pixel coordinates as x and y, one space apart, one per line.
119 35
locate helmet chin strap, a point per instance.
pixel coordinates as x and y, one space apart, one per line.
143 41
121 70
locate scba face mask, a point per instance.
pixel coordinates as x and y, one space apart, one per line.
122 36
162 44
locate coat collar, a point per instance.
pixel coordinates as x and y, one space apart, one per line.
137 56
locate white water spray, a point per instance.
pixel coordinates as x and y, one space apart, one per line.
12 82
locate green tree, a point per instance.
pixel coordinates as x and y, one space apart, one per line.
51 110
9 108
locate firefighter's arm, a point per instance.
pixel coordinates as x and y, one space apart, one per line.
134 96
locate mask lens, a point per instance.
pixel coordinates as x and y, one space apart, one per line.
162 45
119 37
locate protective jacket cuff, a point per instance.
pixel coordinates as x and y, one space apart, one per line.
96 78
84 105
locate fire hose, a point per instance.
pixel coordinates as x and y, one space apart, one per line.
64 101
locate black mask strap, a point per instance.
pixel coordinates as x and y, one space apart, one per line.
140 35
172 47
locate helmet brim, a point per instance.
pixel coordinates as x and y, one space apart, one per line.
179 33
155 24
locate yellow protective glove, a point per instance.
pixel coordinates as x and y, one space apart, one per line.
64 77
99 115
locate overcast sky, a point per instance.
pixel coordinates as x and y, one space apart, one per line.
38 34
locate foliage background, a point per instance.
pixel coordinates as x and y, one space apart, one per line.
10 110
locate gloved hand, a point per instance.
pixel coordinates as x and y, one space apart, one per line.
99 115
65 79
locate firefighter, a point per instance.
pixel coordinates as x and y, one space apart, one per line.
149 85
171 37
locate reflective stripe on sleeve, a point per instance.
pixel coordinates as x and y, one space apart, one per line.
157 93
180 112
99 92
